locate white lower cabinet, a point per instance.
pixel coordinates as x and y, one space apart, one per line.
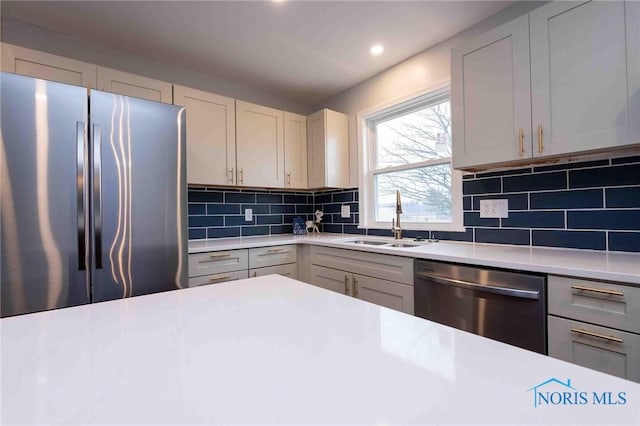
230 265
604 349
365 276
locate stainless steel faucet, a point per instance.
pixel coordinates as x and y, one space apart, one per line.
395 223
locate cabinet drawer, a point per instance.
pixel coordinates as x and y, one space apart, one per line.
217 262
385 267
218 278
290 271
610 305
599 348
271 256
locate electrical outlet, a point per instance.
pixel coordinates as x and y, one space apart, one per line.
345 211
494 208
248 215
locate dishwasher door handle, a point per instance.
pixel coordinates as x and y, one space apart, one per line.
505 291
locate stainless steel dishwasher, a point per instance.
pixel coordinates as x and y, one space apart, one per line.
501 305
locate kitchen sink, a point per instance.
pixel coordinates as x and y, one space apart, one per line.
381 243
368 242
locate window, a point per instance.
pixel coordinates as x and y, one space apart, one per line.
407 147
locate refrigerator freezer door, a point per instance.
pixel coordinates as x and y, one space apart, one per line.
139 237
42 194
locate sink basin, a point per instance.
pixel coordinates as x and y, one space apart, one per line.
401 245
381 243
368 242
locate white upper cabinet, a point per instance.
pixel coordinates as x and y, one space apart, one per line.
211 136
585 76
259 145
328 146
578 92
491 105
123 83
32 63
295 150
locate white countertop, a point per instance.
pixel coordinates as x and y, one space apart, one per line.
600 265
272 350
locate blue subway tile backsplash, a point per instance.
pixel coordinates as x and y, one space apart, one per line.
591 205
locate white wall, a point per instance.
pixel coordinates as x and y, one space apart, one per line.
424 70
36 38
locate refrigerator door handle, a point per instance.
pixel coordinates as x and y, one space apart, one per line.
97 194
80 197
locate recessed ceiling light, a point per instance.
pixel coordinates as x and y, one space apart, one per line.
377 49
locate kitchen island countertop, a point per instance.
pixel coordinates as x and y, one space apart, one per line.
272 350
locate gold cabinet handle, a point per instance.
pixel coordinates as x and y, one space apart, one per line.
231 175
255 274
597 290
219 256
521 141
214 257
540 144
355 286
216 279
241 175
346 285
272 251
597 335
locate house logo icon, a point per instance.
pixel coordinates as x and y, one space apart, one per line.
556 392
540 396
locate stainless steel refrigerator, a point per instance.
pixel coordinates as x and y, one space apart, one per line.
93 196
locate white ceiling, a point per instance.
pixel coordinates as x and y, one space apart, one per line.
303 50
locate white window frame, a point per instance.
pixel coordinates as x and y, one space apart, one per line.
367 159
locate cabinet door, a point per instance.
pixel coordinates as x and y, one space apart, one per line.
328 146
126 84
585 75
295 150
384 293
490 96
290 271
32 63
260 145
331 279
211 136
604 349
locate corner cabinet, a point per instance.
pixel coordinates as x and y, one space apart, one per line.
211 136
32 63
377 278
259 145
577 93
295 150
328 141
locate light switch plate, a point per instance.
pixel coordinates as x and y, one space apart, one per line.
345 211
248 215
494 208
